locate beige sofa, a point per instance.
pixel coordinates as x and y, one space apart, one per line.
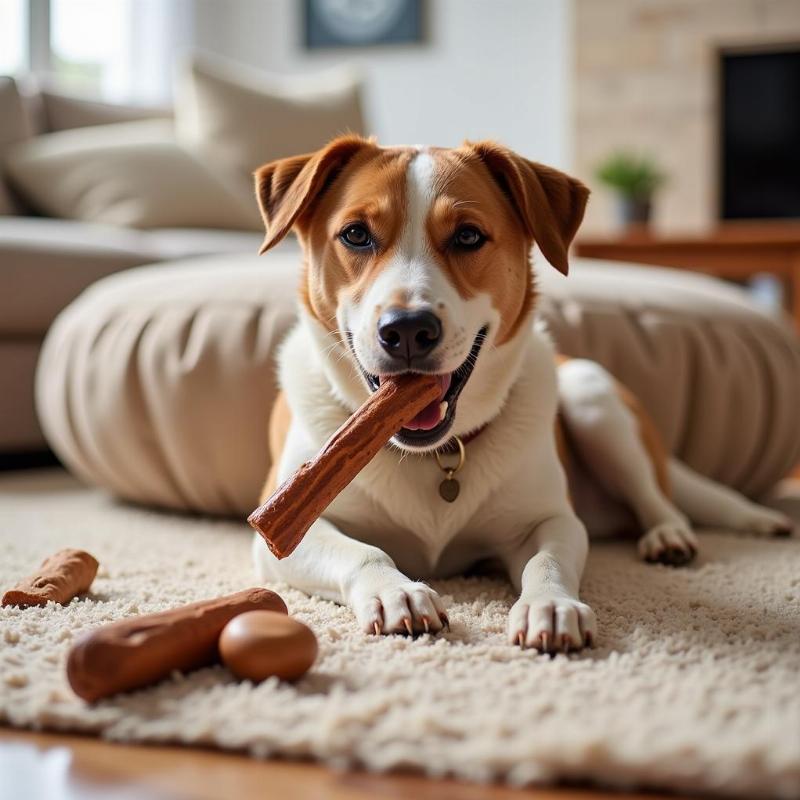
88 189
44 264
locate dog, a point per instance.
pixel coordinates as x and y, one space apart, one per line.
418 259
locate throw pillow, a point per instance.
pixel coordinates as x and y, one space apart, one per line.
132 174
239 118
14 128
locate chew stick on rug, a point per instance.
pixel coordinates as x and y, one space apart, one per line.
286 516
61 577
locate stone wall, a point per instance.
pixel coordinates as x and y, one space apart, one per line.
646 79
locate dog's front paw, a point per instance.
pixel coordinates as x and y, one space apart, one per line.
551 623
668 543
401 606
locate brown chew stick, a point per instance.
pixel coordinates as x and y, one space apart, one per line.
139 651
62 576
284 519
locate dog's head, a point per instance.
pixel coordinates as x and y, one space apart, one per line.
418 259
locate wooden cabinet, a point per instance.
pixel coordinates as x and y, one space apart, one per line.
735 251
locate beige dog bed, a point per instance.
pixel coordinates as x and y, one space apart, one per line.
156 383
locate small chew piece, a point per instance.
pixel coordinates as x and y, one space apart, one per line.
61 577
259 644
142 650
286 516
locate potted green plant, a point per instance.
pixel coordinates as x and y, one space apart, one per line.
634 178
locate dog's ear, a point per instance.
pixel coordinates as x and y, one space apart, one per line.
550 203
286 188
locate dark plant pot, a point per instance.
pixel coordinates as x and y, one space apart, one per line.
633 210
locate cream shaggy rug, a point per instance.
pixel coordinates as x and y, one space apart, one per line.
694 684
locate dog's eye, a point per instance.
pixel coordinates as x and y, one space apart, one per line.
356 236
468 237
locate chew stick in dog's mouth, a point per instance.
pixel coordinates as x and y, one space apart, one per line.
434 421
288 514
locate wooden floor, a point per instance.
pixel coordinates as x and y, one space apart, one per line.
35 766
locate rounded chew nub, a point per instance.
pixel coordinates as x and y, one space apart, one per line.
262 644
288 514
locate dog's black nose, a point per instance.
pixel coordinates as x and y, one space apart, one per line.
408 334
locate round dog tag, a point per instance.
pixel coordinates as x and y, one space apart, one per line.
449 489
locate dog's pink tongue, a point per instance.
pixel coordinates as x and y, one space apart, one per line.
431 415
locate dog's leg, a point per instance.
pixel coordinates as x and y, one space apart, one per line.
546 570
331 565
710 504
610 440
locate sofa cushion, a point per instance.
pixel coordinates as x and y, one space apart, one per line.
171 243
130 174
15 127
19 428
45 263
157 383
239 118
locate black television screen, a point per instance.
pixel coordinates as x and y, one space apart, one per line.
760 134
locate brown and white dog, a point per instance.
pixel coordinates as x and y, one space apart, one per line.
418 259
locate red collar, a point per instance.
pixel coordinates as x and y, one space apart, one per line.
451 447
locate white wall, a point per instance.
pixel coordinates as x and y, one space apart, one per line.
490 68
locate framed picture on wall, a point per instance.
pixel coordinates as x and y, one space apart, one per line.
362 23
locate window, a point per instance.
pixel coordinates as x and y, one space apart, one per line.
117 50
13 36
89 46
